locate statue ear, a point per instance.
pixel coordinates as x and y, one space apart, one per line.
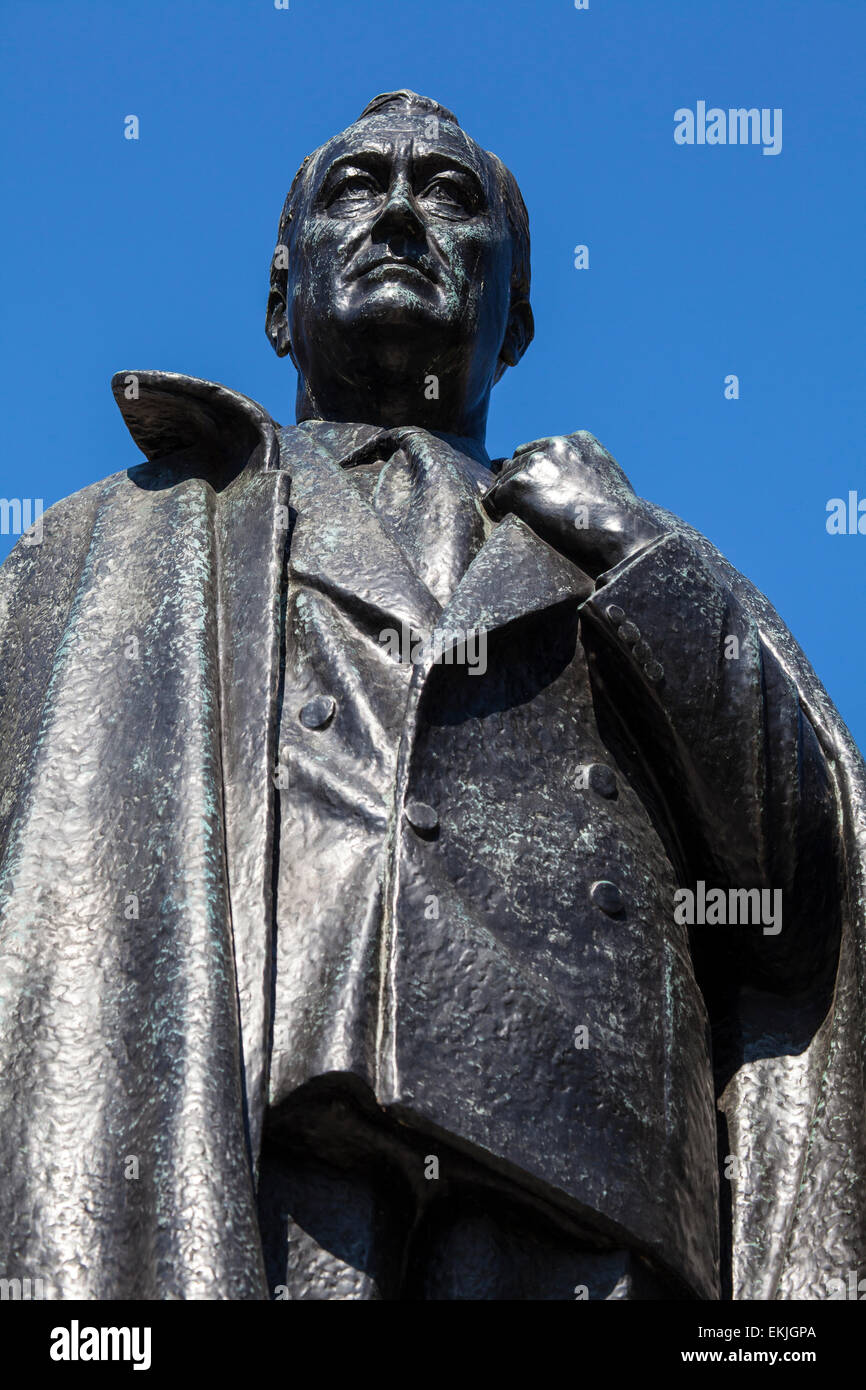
518 336
277 323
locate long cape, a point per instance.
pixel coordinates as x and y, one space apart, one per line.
135 892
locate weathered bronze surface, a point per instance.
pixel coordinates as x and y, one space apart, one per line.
365 805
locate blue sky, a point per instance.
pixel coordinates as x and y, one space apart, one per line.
704 260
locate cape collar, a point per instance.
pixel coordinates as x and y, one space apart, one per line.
168 413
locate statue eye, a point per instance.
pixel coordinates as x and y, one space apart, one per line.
354 188
449 192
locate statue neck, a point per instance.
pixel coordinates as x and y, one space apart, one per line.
422 408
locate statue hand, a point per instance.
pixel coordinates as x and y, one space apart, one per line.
573 495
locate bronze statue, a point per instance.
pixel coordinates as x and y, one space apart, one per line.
422 876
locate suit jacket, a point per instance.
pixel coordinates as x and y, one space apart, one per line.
141 665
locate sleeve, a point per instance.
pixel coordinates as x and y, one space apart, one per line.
712 728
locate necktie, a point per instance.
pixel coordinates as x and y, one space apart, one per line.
426 494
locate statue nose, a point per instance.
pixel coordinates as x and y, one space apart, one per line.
398 218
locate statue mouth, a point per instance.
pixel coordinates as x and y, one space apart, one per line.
393 266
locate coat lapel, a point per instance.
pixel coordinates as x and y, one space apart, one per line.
339 544
513 575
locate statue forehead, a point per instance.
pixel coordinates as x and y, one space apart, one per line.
388 131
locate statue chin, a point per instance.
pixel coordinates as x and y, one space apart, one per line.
391 305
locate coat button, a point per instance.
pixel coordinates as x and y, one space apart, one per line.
607 896
614 612
629 632
642 650
318 713
654 671
602 779
421 817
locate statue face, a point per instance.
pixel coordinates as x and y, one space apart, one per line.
401 241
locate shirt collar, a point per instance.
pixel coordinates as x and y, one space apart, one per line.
354 444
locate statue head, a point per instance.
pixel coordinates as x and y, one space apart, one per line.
400 279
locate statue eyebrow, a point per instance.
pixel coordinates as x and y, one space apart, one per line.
439 162
373 161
